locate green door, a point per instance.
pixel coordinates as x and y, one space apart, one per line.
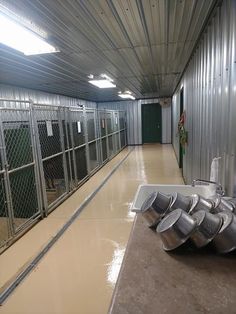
151 123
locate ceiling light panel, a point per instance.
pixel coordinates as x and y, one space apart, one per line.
126 96
102 83
20 38
107 77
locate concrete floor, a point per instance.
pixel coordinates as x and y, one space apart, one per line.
4 229
79 273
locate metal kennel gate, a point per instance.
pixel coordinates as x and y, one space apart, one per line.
78 126
20 195
50 142
102 125
46 152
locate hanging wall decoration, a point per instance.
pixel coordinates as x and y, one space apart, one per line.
183 134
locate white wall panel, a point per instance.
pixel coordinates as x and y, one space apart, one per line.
166 124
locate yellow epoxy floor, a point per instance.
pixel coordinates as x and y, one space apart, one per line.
79 273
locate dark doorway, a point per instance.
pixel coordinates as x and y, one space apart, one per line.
151 123
181 111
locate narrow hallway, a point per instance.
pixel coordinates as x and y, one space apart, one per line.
79 272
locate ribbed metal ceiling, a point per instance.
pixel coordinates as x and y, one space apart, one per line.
143 45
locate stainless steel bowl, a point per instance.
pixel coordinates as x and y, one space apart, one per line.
208 226
225 240
154 207
200 203
175 229
162 202
148 211
221 204
232 201
181 201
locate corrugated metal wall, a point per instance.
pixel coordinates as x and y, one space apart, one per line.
13 92
210 101
134 118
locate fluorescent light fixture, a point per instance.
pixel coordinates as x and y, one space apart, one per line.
126 95
107 77
104 82
22 39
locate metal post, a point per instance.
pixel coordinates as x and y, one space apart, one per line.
119 149
100 137
113 135
86 141
70 150
40 162
97 137
59 112
71 113
35 158
6 181
108 152
125 125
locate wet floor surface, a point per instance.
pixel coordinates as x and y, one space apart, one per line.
79 273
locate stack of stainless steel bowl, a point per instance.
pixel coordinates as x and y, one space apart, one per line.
154 208
178 218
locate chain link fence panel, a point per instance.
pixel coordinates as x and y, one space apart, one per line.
47 152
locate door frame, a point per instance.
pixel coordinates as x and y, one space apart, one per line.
142 106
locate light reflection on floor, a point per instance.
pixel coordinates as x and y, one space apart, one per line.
115 264
79 273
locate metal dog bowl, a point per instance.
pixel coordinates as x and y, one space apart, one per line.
175 229
232 201
154 207
225 240
163 202
221 205
181 201
200 203
208 226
